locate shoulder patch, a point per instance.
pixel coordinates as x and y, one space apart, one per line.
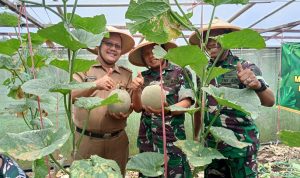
125 68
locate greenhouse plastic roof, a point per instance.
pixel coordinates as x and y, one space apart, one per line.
277 20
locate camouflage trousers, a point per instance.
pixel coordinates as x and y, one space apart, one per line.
233 168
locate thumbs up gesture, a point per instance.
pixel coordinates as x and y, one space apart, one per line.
137 82
247 77
106 82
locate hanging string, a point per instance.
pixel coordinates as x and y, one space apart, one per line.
162 97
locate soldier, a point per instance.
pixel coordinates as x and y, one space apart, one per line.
241 163
178 92
105 135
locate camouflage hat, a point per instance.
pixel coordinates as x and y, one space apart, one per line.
135 55
126 38
217 24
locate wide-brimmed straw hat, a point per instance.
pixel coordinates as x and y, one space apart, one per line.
126 39
135 55
215 25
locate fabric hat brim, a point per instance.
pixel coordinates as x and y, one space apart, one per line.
217 24
126 39
135 55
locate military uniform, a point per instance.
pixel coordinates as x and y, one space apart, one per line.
10 169
150 138
241 163
105 136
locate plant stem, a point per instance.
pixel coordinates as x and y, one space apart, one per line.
190 82
209 25
187 42
65 12
73 10
57 163
25 120
213 65
83 130
45 6
210 124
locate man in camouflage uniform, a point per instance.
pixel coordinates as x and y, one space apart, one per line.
241 163
178 92
9 168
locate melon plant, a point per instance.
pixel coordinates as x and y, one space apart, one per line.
151 96
125 103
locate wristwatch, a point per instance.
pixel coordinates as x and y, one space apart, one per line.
263 86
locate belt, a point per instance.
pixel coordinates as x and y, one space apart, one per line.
99 135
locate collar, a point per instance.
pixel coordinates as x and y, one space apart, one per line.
168 67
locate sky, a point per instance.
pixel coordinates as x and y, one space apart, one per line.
116 15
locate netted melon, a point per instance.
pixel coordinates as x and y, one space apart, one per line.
151 96
124 106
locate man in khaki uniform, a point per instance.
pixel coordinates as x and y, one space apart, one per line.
105 135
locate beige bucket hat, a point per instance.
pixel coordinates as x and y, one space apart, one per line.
135 55
127 40
216 24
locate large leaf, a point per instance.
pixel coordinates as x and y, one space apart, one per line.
186 55
8 19
87 38
198 155
59 34
32 145
35 38
90 103
153 19
36 123
95 167
220 2
244 100
245 38
228 137
290 138
39 168
38 60
95 25
147 163
80 65
159 52
9 47
216 71
65 88
16 108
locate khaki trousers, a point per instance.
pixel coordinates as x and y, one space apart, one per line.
115 148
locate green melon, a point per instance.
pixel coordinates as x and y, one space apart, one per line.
124 105
151 96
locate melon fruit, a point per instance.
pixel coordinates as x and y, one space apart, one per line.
151 96
125 103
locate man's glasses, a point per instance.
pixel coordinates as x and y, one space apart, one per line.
110 45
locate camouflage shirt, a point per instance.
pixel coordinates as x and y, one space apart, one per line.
10 169
241 124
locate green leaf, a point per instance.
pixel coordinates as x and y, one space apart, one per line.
59 34
187 55
153 19
39 61
36 123
39 168
9 47
198 155
16 108
80 65
95 167
159 52
38 86
147 163
245 38
8 19
64 88
228 137
87 38
190 110
32 145
287 97
95 25
47 103
290 138
216 71
35 38
220 2
235 98
90 103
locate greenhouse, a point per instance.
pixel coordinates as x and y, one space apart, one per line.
149 88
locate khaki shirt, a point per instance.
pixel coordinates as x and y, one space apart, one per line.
99 121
